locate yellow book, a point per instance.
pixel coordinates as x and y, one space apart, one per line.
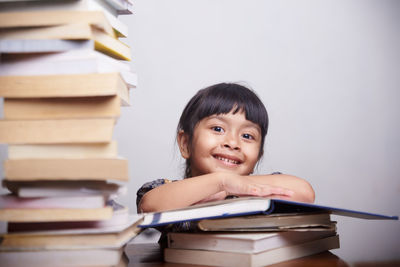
72 151
55 215
56 131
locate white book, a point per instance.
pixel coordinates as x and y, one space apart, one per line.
242 242
65 188
41 46
121 220
14 202
77 61
110 12
230 259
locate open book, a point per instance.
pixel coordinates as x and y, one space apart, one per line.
248 206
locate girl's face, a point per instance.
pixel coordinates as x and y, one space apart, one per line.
224 142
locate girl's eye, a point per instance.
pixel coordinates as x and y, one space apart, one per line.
248 136
218 129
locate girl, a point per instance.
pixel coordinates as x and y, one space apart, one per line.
221 134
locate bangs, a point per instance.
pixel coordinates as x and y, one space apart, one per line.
232 98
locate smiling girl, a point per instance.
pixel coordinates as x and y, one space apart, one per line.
221 136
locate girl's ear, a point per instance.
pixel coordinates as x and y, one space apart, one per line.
183 142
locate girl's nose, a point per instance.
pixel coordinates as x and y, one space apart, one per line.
231 142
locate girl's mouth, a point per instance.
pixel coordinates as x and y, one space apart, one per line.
227 160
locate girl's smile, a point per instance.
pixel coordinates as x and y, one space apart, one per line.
224 142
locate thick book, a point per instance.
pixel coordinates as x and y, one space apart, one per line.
242 242
59 240
61 108
248 206
74 31
110 12
51 258
272 222
10 201
71 85
66 151
272 256
54 188
63 131
66 169
76 61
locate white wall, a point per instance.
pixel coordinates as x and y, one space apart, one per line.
328 73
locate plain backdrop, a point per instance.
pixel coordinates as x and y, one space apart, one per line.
328 73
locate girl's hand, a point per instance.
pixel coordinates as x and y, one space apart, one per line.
234 184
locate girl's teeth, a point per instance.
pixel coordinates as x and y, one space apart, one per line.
228 160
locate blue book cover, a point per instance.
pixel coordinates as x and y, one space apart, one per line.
249 206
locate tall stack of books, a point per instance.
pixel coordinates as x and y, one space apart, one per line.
63 77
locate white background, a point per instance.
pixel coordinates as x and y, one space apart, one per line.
328 73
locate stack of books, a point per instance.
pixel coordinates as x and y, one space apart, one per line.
63 78
251 231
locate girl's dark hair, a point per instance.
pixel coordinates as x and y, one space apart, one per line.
223 98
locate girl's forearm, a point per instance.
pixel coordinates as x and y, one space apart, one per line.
182 193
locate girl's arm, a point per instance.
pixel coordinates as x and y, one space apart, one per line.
215 186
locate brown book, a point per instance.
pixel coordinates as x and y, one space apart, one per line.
66 169
56 131
74 31
61 108
44 241
71 85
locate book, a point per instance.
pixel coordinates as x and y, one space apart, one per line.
74 31
248 206
273 222
66 151
42 46
110 12
120 220
55 214
84 240
9 201
272 256
53 188
62 258
66 169
61 108
52 18
242 242
56 131
76 61
71 85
